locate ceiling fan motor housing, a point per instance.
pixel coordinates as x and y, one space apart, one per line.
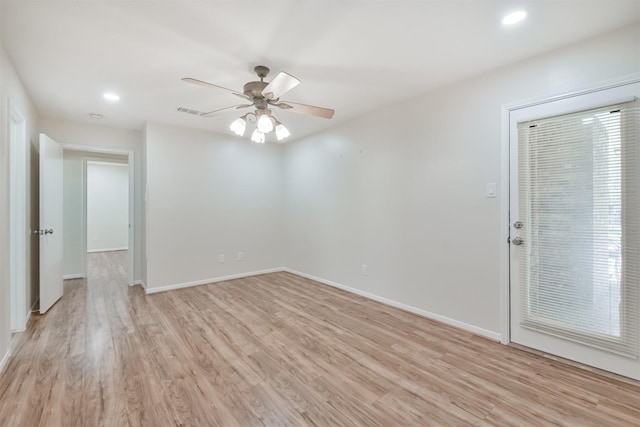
254 89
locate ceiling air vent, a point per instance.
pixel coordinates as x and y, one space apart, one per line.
188 110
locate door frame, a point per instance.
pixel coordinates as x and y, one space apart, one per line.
18 228
505 163
132 217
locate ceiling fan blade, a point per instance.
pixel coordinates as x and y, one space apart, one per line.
214 112
206 84
309 110
282 84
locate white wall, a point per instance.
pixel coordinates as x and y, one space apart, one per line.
107 206
73 193
11 88
72 215
210 194
5 290
403 190
104 137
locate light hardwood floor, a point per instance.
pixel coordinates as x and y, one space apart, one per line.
279 350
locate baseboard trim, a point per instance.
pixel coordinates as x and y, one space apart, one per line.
140 283
155 290
424 313
73 276
5 359
90 251
23 325
26 321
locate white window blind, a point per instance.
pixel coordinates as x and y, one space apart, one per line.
578 184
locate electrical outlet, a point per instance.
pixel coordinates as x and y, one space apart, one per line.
240 256
221 258
364 269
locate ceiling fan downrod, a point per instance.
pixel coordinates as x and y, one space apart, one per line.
261 71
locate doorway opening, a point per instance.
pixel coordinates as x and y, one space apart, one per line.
20 309
107 225
98 212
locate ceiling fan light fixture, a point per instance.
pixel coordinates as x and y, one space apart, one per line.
282 132
257 137
238 126
261 95
265 124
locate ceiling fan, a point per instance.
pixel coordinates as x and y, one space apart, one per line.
262 95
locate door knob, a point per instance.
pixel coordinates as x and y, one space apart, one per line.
48 231
517 241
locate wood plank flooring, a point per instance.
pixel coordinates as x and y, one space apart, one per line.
279 350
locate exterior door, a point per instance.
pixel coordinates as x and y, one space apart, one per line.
575 228
50 222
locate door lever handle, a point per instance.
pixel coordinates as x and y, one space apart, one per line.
48 231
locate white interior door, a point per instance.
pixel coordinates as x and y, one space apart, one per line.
574 259
50 231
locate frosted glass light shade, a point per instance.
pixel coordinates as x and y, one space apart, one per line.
238 126
257 136
282 132
265 125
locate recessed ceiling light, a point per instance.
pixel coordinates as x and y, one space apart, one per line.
95 115
110 96
514 17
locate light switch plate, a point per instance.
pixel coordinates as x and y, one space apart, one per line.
491 190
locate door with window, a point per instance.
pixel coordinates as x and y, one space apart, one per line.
575 228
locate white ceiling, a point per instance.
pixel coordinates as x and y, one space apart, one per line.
353 56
